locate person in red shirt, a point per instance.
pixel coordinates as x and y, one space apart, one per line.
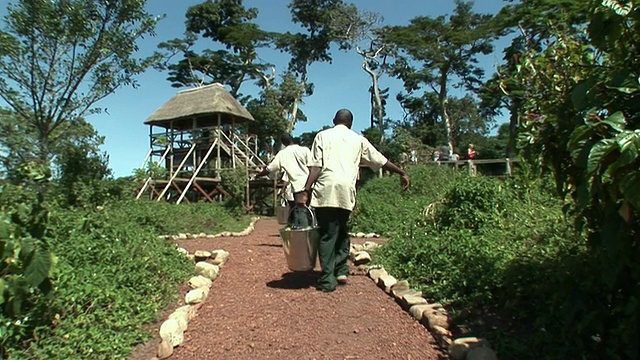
471 152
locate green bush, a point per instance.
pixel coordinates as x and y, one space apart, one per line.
112 274
496 244
381 204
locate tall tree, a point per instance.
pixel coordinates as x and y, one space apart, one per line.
19 147
58 58
313 45
363 29
229 25
532 23
440 53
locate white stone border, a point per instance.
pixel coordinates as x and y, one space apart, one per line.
183 236
207 269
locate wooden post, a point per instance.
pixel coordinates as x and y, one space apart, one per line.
218 160
170 141
248 194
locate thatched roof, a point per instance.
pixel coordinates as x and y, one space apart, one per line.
203 104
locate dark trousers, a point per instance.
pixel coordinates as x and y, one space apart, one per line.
334 244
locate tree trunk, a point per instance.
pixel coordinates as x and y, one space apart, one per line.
444 112
296 103
377 111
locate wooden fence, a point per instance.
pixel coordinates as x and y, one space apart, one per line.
472 165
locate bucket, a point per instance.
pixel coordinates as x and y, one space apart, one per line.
301 246
282 212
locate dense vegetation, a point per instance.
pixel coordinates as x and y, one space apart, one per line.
81 282
501 250
554 251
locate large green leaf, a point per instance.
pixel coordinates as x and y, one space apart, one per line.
39 267
629 186
598 153
616 120
580 94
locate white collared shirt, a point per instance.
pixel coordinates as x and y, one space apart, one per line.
339 152
293 161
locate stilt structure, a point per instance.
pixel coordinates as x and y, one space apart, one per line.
195 138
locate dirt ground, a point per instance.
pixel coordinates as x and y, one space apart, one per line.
259 309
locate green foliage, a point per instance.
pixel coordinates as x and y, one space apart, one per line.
583 126
27 260
437 54
381 202
493 244
59 58
112 273
113 276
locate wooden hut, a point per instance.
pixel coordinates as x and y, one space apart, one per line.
194 137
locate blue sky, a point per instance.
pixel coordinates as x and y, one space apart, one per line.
340 84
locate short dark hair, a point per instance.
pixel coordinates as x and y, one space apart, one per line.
286 139
344 117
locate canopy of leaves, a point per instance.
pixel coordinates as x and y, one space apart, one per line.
58 58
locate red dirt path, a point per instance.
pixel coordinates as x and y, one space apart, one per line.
259 309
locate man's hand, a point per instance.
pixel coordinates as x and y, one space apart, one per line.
302 198
404 181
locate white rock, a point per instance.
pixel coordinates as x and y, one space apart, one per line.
375 274
386 281
199 281
370 246
196 296
165 350
171 333
360 234
361 257
210 271
182 318
219 257
189 310
183 251
182 236
202 255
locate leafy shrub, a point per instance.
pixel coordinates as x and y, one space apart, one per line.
499 244
25 267
111 276
380 202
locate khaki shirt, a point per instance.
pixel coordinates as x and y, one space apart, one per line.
293 161
339 152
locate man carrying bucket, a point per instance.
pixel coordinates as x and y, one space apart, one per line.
333 170
293 161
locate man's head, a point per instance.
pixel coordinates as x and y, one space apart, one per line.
286 139
343 117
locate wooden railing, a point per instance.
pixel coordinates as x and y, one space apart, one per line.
472 165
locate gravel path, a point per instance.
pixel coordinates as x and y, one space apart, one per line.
259 309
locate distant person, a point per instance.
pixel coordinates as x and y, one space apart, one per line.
454 157
335 158
436 155
471 152
403 158
413 156
444 152
292 160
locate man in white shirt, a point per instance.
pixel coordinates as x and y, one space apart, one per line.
333 170
292 160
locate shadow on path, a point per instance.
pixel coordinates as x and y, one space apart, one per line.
295 280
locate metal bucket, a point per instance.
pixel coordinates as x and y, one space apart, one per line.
301 246
282 212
